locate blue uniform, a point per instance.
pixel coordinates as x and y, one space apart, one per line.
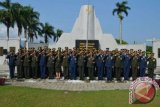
126 66
100 65
42 63
12 62
142 65
72 67
108 65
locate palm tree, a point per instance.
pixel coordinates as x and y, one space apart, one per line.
18 17
33 29
30 23
58 34
47 31
6 15
120 9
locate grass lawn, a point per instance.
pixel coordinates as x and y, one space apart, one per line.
11 96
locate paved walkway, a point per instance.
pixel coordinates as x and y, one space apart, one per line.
71 85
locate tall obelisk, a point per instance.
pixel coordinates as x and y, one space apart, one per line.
86 27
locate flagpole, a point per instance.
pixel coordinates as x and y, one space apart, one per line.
87 25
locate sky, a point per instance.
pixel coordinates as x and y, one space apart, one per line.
142 22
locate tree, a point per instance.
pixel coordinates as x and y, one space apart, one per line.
18 16
121 9
30 23
33 29
58 34
6 15
47 31
123 42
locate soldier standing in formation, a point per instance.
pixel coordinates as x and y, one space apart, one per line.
51 65
58 65
81 64
142 64
26 65
118 65
100 64
151 65
65 65
19 64
73 65
91 66
127 65
30 63
42 64
134 65
12 62
109 65
34 65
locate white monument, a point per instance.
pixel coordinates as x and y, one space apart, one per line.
156 50
86 27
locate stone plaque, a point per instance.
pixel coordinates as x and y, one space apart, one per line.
91 44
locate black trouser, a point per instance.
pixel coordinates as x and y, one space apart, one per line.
19 71
66 72
26 72
35 72
81 72
134 72
91 73
51 72
118 73
11 69
151 72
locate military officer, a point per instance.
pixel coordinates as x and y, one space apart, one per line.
118 65
152 63
81 64
100 64
26 64
58 64
134 65
127 65
51 65
109 65
73 65
34 65
142 64
42 64
19 64
91 65
65 64
11 57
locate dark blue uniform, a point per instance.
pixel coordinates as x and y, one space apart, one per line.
100 65
12 62
109 65
126 66
42 63
142 65
72 67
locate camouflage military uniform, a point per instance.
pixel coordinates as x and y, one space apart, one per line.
19 64
34 66
90 66
65 65
134 65
51 66
151 66
26 65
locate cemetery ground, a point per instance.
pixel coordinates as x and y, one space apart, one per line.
15 96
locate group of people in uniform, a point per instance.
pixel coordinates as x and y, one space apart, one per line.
72 63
